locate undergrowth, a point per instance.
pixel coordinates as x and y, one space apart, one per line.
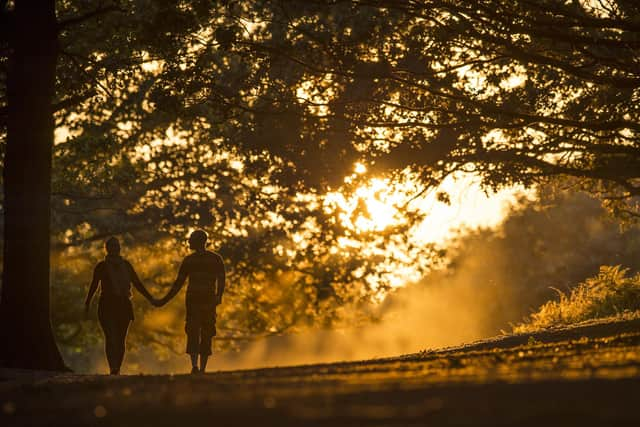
611 293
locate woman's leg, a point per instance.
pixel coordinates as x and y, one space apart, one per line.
119 345
109 331
115 324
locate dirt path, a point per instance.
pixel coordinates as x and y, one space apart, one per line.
587 376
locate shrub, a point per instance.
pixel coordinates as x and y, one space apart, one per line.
611 293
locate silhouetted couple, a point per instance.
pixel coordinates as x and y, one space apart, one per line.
115 275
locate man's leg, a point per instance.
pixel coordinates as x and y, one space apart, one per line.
192 350
192 330
205 348
207 332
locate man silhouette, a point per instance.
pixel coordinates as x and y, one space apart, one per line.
205 271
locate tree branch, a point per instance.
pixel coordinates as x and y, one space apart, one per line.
65 23
72 101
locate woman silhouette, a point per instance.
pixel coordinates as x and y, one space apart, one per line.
115 312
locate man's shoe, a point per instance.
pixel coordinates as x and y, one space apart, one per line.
195 370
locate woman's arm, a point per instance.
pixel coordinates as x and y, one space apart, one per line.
92 290
177 285
137 283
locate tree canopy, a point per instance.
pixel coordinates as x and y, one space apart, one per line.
517 92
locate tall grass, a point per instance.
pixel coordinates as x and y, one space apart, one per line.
611 293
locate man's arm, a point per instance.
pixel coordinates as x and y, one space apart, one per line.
92 290
221 279
177 285
137 283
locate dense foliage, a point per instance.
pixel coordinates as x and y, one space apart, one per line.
611 293
514 91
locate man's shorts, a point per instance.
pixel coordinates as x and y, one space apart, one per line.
200 325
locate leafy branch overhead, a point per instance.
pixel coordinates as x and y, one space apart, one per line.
515 91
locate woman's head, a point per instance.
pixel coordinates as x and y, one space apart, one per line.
112 245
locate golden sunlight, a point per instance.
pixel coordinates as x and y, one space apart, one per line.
470 207
380 203
377 204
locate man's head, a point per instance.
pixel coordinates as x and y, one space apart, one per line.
112 245
198 240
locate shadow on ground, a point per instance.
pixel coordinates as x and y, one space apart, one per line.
587 376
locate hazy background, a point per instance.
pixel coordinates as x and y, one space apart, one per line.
488 279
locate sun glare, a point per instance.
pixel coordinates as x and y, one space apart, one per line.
378 204
373 206
360 168
469 208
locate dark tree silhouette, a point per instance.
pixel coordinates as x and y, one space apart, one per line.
25 330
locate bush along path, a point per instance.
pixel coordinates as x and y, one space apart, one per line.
611 293
587 375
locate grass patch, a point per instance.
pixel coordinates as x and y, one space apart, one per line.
611 293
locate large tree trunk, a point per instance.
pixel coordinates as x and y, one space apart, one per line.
26 338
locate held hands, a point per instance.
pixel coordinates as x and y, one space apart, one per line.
159 302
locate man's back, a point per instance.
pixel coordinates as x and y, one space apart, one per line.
203 268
